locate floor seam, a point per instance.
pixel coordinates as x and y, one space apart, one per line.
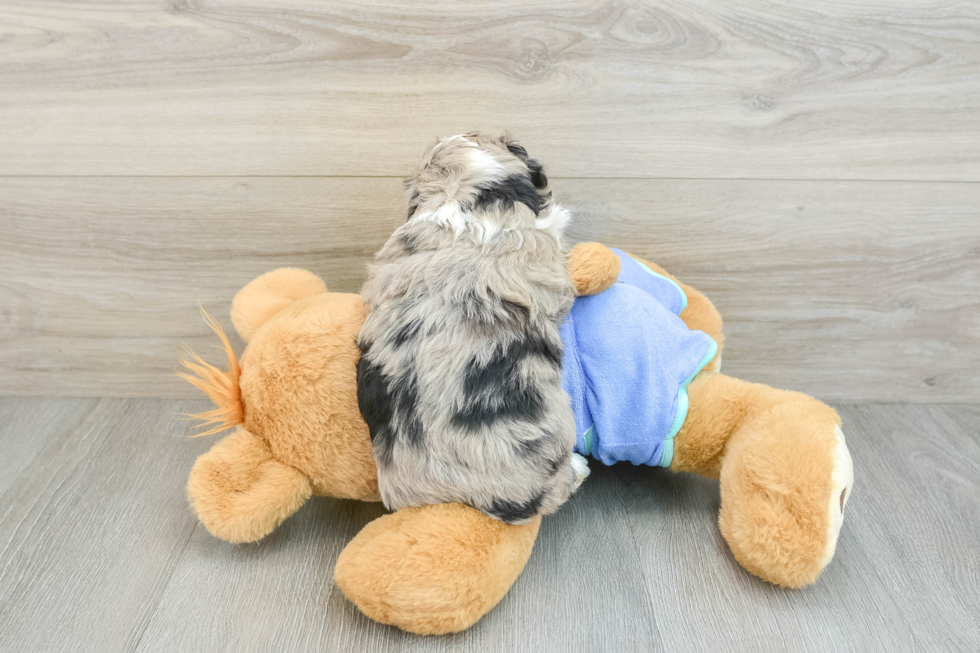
163 590
642 572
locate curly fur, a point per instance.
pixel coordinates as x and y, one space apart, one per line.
460 375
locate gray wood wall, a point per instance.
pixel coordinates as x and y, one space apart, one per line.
815 170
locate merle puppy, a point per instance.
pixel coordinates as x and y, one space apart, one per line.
460 378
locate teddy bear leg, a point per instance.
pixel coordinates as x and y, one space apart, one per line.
784 469
433 570
240 493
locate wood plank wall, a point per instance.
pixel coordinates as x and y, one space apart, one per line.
814 168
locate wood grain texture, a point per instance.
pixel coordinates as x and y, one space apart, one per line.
102 278
25 430
918 509
271 595
848 291
759 89
99 551
700 592
91 528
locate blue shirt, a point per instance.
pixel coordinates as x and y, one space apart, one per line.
627 363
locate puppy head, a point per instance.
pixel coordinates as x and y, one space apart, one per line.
479 180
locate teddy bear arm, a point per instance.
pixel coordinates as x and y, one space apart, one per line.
784 469
592 267
433 570
240 492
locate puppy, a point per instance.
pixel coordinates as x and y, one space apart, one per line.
460 375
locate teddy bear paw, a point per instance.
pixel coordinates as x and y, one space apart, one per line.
840 493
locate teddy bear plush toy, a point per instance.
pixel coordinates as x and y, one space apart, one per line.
783 466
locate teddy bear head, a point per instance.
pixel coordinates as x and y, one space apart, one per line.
292 397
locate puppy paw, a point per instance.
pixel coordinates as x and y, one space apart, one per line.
581 468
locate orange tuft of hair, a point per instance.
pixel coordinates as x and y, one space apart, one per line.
221 387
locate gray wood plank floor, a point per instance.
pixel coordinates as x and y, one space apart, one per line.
99 552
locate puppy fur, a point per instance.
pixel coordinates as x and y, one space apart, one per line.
460 377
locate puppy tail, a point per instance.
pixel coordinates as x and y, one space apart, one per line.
222 387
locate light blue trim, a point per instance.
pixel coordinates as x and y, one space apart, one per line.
668 452
588 437
683 403
668 280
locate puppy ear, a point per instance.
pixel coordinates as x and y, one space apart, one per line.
272 292
413 200
517 151
538 178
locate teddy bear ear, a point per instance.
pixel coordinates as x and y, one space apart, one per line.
267 295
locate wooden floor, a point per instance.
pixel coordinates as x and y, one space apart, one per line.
100 552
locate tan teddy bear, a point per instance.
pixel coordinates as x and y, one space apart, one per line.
780 456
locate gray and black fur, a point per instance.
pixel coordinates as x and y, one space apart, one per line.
459 379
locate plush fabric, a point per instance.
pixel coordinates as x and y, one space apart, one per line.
295 394
240 492
267 295
435 569
438 569
773 451
592 268
299 388
627 361
222 387
699 315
